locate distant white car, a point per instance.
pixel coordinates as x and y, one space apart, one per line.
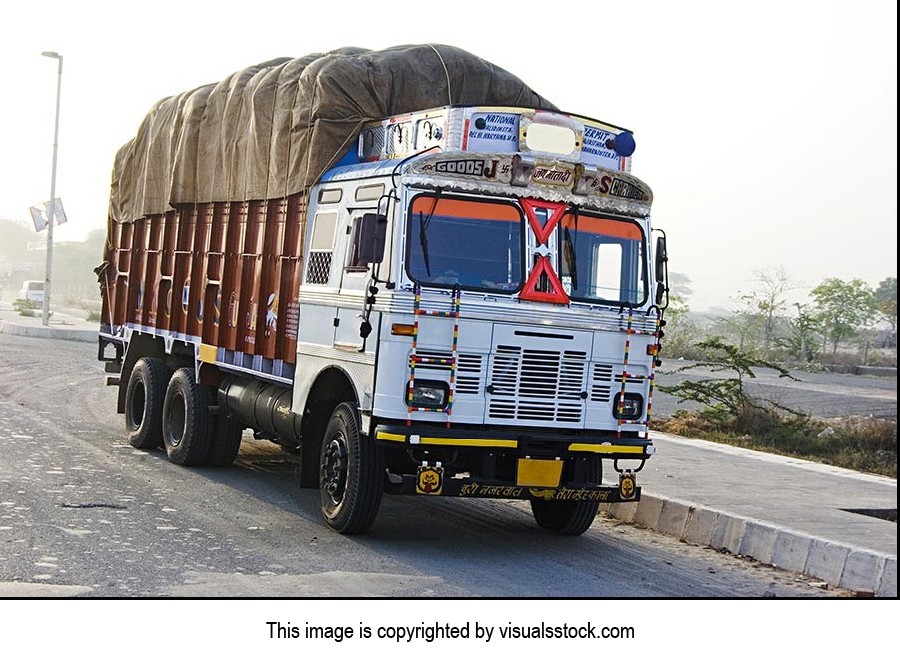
32 290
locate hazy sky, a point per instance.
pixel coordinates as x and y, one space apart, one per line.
767 130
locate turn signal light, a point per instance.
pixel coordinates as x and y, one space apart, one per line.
402 329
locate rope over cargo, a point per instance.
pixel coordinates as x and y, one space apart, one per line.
271 130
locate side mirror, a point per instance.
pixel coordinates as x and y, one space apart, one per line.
372 233
662 258
662 273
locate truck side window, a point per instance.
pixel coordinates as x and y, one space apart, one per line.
330 196
369 192
318 268
354 263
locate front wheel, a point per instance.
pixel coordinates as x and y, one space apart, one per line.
351 479
571 517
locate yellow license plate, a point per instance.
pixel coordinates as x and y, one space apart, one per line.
538 473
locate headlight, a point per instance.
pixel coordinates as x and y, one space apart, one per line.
628 406
432 394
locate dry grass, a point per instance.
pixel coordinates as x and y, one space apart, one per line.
861 443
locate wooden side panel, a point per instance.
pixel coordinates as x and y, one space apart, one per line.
151 271
181 279
215 266
121 273
232 275
250 265
164 292
291 268
269 293
222 273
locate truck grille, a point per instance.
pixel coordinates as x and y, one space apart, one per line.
606 378
537 385
468 369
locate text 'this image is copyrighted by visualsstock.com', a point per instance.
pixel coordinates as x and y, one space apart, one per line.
430 632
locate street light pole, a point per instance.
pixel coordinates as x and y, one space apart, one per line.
51 209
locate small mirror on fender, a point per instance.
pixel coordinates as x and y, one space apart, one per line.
660 294
372 232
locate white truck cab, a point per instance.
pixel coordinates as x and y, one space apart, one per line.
486 279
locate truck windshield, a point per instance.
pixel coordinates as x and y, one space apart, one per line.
474 244
602 259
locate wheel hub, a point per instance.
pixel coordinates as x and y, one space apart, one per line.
177 421
138 407
334 468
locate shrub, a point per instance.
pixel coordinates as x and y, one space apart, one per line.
861 443
22 304
724 398
728 415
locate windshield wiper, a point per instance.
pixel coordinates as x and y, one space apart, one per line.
569 252
423 231
423 241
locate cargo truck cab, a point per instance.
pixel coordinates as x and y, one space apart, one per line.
495 314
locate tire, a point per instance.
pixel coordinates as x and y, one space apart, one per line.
225 441
571 517
186 419
144 398
351 478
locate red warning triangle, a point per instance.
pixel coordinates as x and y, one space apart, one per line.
555 294
556 211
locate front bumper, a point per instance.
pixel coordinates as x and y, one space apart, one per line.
518 443
539 461
431 481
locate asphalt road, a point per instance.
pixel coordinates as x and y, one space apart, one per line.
84 514
817 394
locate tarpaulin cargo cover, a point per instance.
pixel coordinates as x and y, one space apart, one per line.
270 130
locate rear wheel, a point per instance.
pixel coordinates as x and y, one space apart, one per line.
225 441
186 419
144 398
351 479
571 517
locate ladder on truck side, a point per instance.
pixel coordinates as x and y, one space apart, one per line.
415 359
627 475
625 376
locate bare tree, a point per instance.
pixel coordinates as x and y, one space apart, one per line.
766 301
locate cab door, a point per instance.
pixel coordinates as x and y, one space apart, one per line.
355 276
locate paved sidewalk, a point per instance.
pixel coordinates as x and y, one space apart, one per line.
66 324
782 511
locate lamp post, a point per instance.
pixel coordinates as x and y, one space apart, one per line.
51 209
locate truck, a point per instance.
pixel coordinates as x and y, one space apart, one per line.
403 265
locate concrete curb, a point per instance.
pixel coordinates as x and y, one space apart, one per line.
840 565
64 333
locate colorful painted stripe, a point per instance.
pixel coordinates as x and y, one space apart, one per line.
449 441
606 448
